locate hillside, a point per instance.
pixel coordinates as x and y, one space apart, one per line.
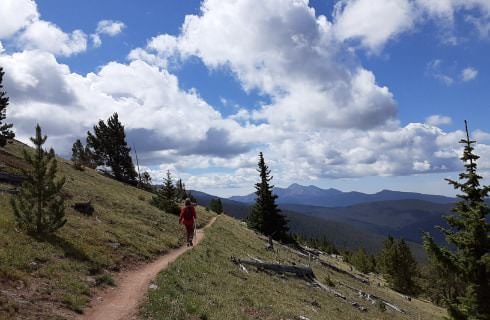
315 196
340 226
53 278
206 284
406 219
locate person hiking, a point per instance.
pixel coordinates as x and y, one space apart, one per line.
187 218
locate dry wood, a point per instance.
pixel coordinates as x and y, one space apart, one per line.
336 269
371 297
281 268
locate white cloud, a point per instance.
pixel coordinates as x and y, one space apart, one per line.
282 49
438 120
110 27
327 115
372 22
46 36
468 74
15 15
436 70
106 27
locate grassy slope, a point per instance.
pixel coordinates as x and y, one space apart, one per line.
204 284
39 280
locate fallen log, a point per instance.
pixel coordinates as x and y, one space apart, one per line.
13 179
372 298
305 272
336 269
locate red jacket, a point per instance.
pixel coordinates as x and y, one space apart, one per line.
187 220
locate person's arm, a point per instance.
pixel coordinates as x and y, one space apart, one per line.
194 213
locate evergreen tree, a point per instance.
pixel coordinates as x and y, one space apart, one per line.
265 216
77 154
216 205
82 156
166 197
5 132
146 181
362 261
398 265
109 148
180 190
39 206
469 236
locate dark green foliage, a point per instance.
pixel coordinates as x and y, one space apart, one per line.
265 216
77 154
145 182
82 156
216 205
109 148
321 244
468 235
439 284
362 261
180 191
398 266
5 132
39 207
166 197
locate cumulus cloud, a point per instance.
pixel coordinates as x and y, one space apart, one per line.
373 23
68 104
286 52
327 115
438 120
15 15
106 27
468 74
46 36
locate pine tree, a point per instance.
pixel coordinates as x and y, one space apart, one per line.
265 216
216 205
109 148
82 156
5 132
362 261
39 206
180 190
398 265
166 197
469 236
146 181
78 155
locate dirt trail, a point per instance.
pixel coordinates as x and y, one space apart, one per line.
122 301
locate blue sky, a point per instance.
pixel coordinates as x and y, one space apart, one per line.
348 94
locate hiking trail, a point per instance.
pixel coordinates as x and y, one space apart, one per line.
122 302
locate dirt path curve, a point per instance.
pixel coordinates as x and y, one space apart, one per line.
122 302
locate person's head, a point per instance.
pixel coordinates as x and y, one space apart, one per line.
188 202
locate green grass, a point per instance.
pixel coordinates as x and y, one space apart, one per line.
205 284
53 274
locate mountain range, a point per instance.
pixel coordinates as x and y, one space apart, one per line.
355 224
315 196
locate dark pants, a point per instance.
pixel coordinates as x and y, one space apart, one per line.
190 232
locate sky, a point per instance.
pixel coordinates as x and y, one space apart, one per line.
349 94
